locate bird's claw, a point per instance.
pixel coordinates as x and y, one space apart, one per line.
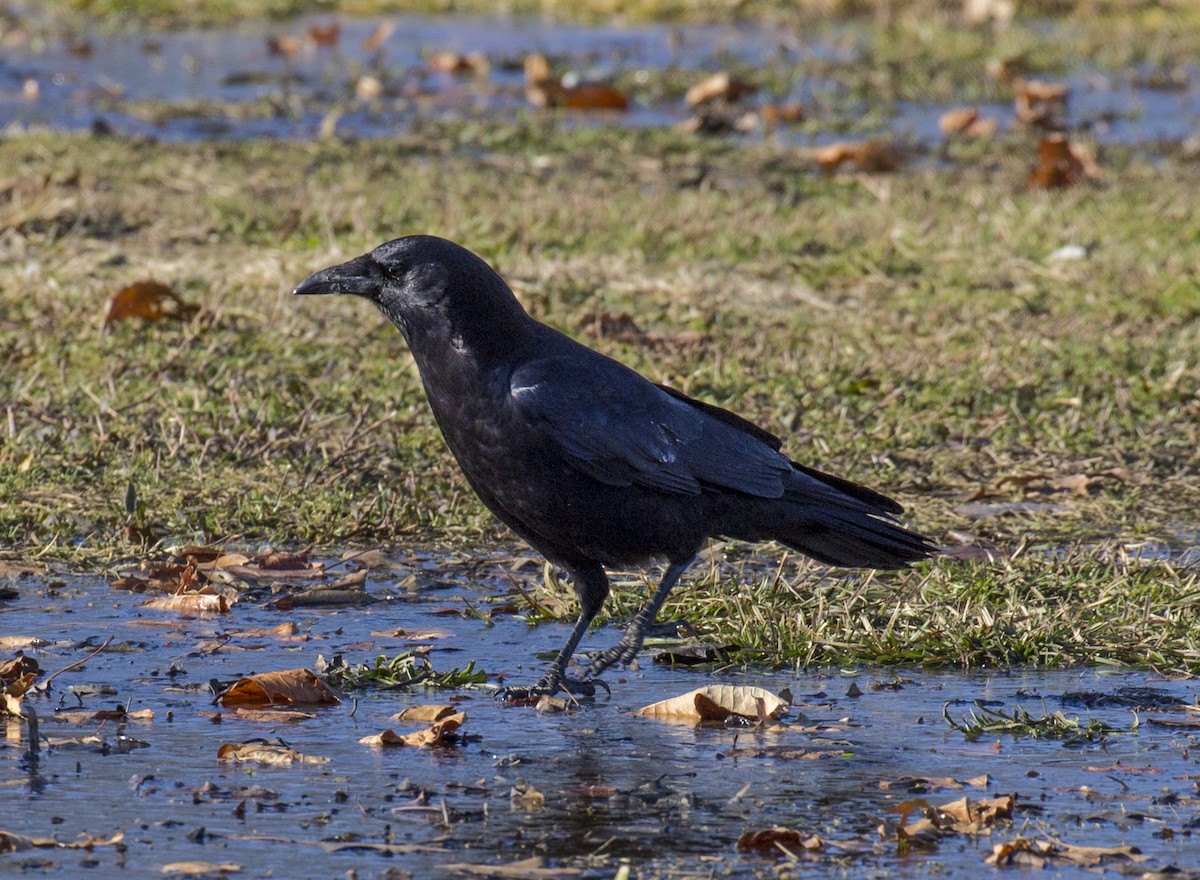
622 653
548 687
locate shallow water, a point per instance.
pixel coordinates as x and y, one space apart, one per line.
218 84
672 799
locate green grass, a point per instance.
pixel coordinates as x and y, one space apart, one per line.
906 331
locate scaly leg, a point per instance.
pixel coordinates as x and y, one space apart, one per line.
627 649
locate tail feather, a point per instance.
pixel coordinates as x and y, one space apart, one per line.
836 522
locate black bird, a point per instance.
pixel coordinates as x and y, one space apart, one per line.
588 461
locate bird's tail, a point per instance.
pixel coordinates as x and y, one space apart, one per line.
836 522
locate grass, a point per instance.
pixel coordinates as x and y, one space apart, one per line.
908 331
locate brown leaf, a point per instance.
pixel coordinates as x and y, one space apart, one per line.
443 729
200 869
958 120
258 753
1038 853
716 703
774 839
424 713
190 603
284 45
872 155
527 869
325 33
285 688
378 36
456 62
1062 163
720 86
781 114
150 301
1039 103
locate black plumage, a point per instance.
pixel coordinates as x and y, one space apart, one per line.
588 461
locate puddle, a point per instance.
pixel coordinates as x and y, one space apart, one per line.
224 84
672 799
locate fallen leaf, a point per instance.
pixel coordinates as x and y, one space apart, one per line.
456 62
288 687
284 45
259 753
190 603
720 86
872 155
325 33
200 869
149 300
424 713
378 36
958 120
1062 163
716 703
781 114
779 839
1039 853
443 729
526 869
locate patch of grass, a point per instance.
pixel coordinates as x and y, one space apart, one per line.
989 721
907 331
404 670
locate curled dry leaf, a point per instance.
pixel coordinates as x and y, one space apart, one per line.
983 11
11 842
545 90
1039 103
872 155
150 301
779 839
442 730
720 86
958 120
1039 853
1062 163
378 36
284 45
286 688
200 869
716 703
781 114
456 62
325 33
258 753
190 603
532 868
425 713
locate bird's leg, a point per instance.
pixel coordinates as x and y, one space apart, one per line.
627 649
591 586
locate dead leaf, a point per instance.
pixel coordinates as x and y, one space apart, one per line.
958 120
149 300
190 603
716 703
775 839
1039 103
325 33
259 753
721 86
288 687
526 869
284 45
872 155
983 11
200 869
442 730
523 796
425 713
378 36
456 62
1039 853
781 114
545 90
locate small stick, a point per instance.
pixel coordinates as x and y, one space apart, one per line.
46 684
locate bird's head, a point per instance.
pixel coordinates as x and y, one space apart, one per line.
435 291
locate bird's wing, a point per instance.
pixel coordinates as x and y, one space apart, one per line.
621 429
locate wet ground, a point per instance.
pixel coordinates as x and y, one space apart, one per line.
607 785
244 82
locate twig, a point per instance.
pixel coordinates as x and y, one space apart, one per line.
46 684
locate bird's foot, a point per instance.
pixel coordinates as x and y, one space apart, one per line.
623 653
549 685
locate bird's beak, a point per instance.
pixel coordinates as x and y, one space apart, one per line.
361 276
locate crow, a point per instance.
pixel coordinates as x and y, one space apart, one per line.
590 463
